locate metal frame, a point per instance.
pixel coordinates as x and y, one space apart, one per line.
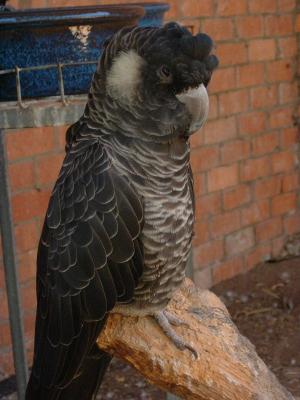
11 276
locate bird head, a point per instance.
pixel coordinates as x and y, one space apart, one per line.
159 69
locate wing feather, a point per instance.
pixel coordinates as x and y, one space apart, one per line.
89 258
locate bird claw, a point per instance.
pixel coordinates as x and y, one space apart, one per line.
174 320
164 320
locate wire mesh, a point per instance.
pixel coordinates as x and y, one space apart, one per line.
61 84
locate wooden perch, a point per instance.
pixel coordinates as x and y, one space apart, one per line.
227 367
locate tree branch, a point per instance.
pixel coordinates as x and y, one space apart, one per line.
227 368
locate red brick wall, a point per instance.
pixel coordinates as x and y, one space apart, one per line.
245 159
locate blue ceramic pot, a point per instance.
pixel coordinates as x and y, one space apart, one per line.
49 36
154 13
62 35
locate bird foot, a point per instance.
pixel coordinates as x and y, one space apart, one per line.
165 320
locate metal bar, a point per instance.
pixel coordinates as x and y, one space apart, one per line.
46 66
61 84
11 275
19 91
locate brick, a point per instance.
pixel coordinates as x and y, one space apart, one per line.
279 70
281 117
267 187
194 8
250 75
292 224
219 29
204 158
262 6
283 161
48 168
240 241
174 12
29 324
235 151
252 123
203 278
297 25
201 233
192 25
222 177
5 338
262 97
284 203
3 305
260 254
38 3
232 53
277 246
60 136
21 175
286 5
197 139
208 253
6 364
228 269
250 26
279 25
265 144
269 229
288 92
27 236
256 212
224 223
236 197
288 47
223 79
262 49
233 102
255 168
200 187
28 296
220 130
27 265
213 107
29 204
231 7
208 205
291 182
2 279
29 142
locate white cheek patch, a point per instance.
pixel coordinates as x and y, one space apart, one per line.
125 76
197 103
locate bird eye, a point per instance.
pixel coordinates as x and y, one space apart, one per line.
165 72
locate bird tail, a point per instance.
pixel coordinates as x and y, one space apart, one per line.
84 387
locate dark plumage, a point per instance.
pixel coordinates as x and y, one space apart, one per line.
118 228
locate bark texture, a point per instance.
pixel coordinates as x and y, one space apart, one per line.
227 367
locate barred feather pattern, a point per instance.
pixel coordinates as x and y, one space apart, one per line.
144 143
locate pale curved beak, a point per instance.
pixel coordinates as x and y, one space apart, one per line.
197 103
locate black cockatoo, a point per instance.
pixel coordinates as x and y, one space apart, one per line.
118 229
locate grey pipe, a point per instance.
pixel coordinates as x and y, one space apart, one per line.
11 275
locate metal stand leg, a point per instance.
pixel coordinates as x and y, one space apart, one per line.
10 268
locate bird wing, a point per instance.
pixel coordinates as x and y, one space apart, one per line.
89 257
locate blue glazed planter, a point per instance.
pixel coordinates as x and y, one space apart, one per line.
62 35
154 13
48 36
